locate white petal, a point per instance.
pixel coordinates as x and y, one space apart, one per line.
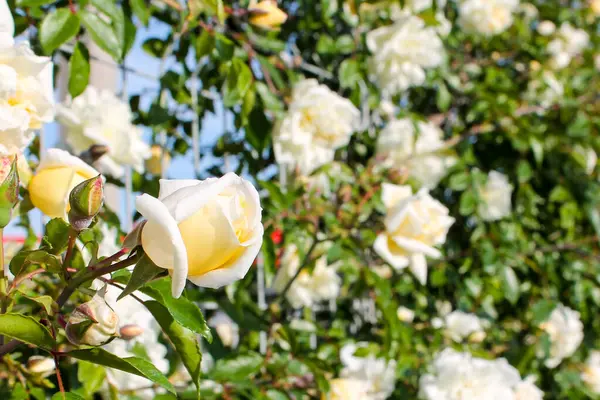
237 270
154 210
418 266
7 24
414 246
170 186
395 260
392 194
57 158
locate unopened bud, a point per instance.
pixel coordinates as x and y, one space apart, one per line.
477 337
9 188
85 202
93 323
130 331
156 163
39 365
266 15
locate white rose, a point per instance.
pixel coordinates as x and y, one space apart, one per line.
378 374
317 123
227 329
570 42
421 150
401 53
546 28
460 325
100 117
473 378
346 389
566 334
587 156
405 314
591 372
495 197
26 91
414 225
526 390
308 288
487 17
206 231
546 90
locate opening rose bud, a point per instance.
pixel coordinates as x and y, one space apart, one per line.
58 173
93 323
266 15
206 231
9 188
85 202
39 365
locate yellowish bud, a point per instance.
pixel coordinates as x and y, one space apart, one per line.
266 15
85 202
93 323
154 164
131 331
39 365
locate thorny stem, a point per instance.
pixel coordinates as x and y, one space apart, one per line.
58 376
69 254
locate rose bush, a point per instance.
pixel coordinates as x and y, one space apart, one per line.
457 139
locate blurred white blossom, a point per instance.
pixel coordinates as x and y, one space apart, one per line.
317 123
568 43
591 371
454 375
545 90
487 17
97 116
587 157
566 334
420 149
405 314
227 329
378 374
309 288
414 225
401 53
495 197
26 88
460 325
546 28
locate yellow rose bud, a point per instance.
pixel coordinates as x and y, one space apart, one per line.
206 231
266 15
154 164
58 173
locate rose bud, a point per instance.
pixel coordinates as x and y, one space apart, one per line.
93 323
130 331
39 365
85 202
9 188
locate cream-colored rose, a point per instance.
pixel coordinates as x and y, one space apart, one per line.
414 225
546 28
569 43
227 329
317 123
487 17
566 334
405 314
26 92
93 323
55 177
597 62
206 231
421 150
495 197
591 372
402 52
322 284
347 389
460 325
266 14
99 117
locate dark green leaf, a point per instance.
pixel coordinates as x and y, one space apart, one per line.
144 271
141 10
237 83
224 46
46 302
184 340
79 70
56 237
58 26
27 330
183 310
133 365
91 376
42 258
205 43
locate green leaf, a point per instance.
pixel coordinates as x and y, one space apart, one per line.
141 10
524 171
27 330
67 396
237 83
443 98
224 46
220 12
46 302
541 310
468 202
459 181
236 368
133 365
511 285
205 43
183 310
185 341
42 258
349 73
58 26
102 34
271 101
33 3
144 271
56 237
91 376
79 70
